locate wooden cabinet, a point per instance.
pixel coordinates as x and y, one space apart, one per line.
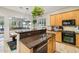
58 20
76 16
68 15
58 36
52 20
51 45
77 40
24 49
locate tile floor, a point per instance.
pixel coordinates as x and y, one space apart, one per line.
66 48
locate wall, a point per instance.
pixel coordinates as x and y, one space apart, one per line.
7 13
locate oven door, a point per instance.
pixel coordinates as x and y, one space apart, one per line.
41 48
69 38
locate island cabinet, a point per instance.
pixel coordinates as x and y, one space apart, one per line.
52 20
58 20
76 16
58 36
51 44
24 49
68 15
77 40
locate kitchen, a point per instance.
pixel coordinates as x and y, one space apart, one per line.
57 31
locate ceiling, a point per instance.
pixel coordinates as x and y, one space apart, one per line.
23 9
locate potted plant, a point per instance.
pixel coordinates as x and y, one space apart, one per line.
36 12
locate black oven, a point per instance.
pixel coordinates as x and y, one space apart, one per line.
69 37
70 22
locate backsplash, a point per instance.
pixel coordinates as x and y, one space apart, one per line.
77 29
66 28
71 28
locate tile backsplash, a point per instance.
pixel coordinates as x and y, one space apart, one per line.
66 28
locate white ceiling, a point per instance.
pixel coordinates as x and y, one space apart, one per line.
22 9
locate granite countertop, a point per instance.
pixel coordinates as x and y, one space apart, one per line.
25 30
53 32
33 41
77 33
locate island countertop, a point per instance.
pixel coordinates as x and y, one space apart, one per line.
34 39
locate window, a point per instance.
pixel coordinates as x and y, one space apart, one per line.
1 34
19 23
1 23
42 22
26 24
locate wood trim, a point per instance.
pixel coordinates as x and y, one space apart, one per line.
65 12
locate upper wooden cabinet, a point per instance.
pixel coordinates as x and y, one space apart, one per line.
52 20
76 16
58 20
68 15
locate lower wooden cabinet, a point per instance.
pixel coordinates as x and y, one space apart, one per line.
24 49
77 40
58 36
51 45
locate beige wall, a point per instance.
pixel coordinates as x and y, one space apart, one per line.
7 13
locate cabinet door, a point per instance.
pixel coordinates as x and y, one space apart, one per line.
68 15
51 45
24 49
52 20
76 15
59 20
77 40
58 36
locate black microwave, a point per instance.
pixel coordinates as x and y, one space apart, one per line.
68 22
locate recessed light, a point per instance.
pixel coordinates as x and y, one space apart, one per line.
27 8
21 7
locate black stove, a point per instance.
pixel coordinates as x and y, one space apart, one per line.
69 37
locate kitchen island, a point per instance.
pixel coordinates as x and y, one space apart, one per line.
29 40
33 41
